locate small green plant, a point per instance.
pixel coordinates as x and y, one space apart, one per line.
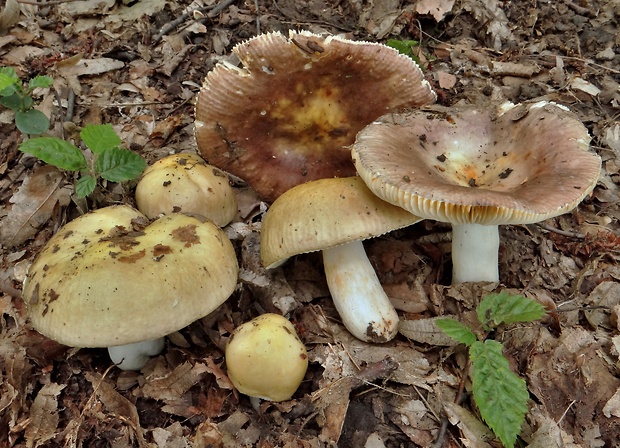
501 395
404 47
110 162
14 96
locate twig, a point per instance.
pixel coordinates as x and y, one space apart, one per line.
70 105
47 3
579 236
579 9
213 11
8 290
257 17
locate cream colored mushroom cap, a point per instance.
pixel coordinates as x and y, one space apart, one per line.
186 183
325 213
513 165
286 116
111 278
266 359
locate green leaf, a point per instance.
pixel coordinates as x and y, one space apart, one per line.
100 137
56 152
40 81
496 309
499 393
6 81
403 46
15 84
85 185
16 101
119 165
457 330
32 121
10 71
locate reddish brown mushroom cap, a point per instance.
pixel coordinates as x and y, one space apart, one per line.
287 115
516 165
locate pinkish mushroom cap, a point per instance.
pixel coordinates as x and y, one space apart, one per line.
477 169
287 115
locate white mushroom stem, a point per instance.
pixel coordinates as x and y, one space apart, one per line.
364 308
135 356
475 253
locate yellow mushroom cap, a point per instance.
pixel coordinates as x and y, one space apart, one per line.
112 278
266 359
286 116
325 213
186 183
511 165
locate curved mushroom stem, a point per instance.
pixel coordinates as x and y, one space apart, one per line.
135 356
364 307
475 253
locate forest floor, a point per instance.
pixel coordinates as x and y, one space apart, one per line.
138 66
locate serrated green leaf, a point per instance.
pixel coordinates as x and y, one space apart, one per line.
119 165
496 309
456 330
85 185
501 396
100 137
32 122
55 151
40 81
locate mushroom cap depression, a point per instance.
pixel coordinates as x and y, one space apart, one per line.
286 116
514 165
186 183
112 278
325 213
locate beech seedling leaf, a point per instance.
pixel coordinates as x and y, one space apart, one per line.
501 396
100 137
457 330
506 308
85 185
54 151
119 165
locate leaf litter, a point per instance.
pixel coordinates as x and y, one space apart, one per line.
128 65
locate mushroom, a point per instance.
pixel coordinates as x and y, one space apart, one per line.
334 216
286 116
110 278
266 359
477 169
186 183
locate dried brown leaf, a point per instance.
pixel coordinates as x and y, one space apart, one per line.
176 383
437 8
475 432
426 331
33 205
43 416
116 404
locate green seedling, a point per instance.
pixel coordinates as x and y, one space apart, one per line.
404 47
15 96
111 162
501 395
